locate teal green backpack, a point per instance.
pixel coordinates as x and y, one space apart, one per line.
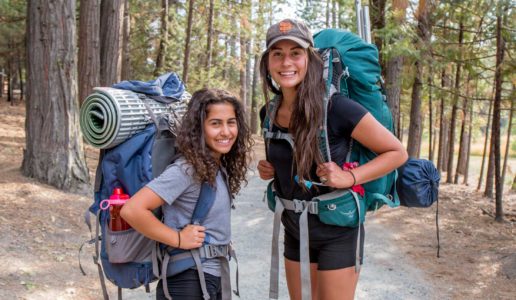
352 67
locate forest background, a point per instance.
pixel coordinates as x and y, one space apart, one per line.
449 78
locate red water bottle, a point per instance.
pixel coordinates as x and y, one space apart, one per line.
116 201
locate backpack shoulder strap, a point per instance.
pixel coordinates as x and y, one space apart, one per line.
204 203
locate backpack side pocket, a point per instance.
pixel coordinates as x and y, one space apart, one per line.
341 208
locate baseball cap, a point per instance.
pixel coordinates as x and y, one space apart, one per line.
289 29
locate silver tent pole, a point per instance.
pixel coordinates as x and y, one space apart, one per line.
366 30
358 9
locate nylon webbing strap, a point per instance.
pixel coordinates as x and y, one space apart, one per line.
119 293
232 253
357 253
225 278
306 290
274 272
198 265
164 266
97 256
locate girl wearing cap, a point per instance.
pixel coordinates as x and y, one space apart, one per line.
292 70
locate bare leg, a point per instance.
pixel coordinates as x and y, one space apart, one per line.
293 272
337 284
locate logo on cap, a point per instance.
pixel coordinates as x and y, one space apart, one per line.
285 26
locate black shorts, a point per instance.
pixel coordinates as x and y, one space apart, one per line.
186 286
331 247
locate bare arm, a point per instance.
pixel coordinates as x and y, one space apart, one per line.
371 134
138 213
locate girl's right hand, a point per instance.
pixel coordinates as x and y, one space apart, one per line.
265 169
192 236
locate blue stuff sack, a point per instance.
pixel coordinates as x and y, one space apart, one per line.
418 183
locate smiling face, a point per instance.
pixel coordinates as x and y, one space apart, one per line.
287 64
220 128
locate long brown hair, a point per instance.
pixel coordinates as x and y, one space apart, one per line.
307 113
191 143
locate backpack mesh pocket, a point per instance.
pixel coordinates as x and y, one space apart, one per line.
127 246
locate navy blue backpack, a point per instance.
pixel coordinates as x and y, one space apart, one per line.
127 258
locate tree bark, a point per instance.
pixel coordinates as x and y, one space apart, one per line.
485 153
508 142
20 75
468 151
1 83
111 20
53 151
414 136
495 137
430 116
243 60
394 67
488 192
187 41
451 150
255 96
89 51
377 11
461 161
126 44
163 43
208 43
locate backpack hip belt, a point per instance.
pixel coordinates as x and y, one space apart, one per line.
223 252
304 207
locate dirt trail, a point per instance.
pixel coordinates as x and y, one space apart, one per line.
42 229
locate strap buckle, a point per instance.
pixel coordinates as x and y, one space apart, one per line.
213 251
299 205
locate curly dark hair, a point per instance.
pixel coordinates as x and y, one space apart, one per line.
191 143
307 115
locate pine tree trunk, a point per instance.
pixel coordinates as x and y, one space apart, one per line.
163 43
485 153
490 168
126 46
328 5
243 60
187 41
430 116
254 98
495 137
89 49
393 90
442 122
111 20
414 136
394 67
508 142
208 44
53 151
461 161
468 151
20 75
377 11
1 83
451 150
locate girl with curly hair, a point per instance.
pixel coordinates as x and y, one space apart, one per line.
214 141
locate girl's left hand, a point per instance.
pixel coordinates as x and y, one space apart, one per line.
333 176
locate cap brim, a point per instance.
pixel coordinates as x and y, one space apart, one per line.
299 41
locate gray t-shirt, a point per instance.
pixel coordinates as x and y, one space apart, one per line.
180 192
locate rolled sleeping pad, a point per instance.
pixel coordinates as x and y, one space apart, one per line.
110 116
